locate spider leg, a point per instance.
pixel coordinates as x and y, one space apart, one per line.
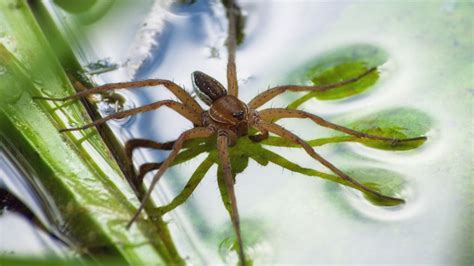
282 132
144 143
222 149
183 156
178 107
271 93
132 144
278 113
179 92
199 132
232 11
189 188
144 169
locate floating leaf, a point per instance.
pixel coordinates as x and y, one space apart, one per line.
384 181
339 65
394 123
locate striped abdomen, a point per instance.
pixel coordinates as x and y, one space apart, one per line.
207 88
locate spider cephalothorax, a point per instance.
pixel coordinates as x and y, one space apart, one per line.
226 112
227 119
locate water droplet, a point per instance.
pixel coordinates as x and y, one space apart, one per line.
214 52
95 98
38 83
9 42
113 103
227 251
100 66
3 70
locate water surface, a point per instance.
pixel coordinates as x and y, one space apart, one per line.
288 217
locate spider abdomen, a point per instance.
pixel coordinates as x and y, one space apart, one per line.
207 88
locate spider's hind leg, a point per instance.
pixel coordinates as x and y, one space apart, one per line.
200 132
133 144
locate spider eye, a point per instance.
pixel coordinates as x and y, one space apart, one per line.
239 115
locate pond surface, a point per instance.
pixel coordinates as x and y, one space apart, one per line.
289 217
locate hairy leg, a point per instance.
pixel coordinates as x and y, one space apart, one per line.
179 92
277 113
178 107
180 158
195 144
271 93
232 11
222 149
282 132
199 132
145 169
132 144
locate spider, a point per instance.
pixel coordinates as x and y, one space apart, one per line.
226 120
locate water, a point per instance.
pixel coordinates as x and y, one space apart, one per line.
293 218
26 211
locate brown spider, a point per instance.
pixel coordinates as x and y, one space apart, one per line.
227 118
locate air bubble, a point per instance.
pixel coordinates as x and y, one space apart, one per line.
101 66
110 104
3 70
9 42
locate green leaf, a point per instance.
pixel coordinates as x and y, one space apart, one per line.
264 155
76 168
189 188
246 149
55 261
394 123
384 181
336 66
86 11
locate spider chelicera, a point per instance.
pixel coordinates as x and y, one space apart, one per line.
228 119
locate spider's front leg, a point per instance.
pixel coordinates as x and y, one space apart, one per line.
271 93
176 106
199 132
179 92
223 142
273 114
282 132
